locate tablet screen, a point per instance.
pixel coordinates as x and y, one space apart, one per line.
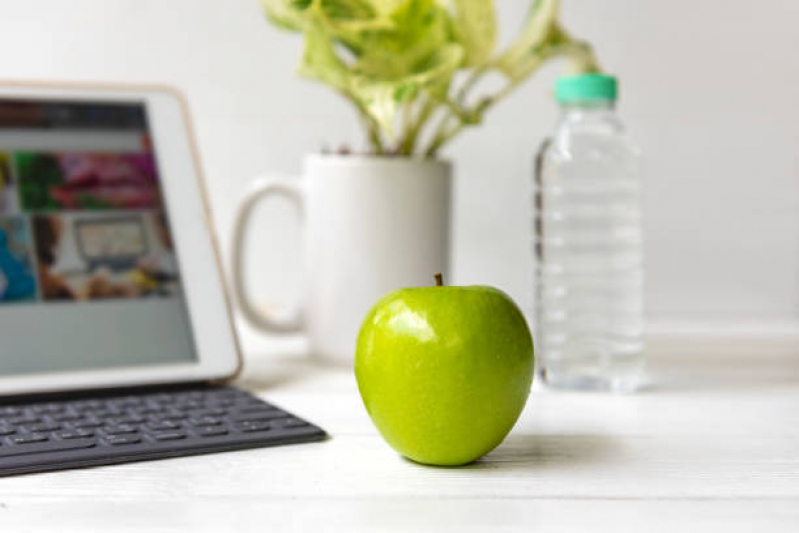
89 276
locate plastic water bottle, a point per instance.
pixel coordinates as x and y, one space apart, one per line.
589 272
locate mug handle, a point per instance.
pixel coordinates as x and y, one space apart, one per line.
285 321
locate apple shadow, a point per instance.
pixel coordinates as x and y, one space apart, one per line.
541 452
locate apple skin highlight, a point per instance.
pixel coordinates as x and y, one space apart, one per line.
444 372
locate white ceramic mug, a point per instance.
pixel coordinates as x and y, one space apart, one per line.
371 224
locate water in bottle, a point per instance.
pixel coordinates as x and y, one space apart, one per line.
589 271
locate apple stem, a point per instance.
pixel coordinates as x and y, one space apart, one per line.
439 279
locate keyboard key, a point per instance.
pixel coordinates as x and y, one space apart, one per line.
48 408
161 400
66 416
45 428
87 423
29 438
164 425
144 411
69 434
257 409
171 416
211 431
205 421
259 415
253 404
24 420
87 405
131 401
226 393
119 440
190 406
123 403
215 413
9 411
293 423
169 435
108 414
120 430
6 430
131 420
254 425
45 447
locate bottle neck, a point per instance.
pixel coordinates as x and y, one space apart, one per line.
590 112
589 107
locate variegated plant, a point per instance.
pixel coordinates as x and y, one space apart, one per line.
397 61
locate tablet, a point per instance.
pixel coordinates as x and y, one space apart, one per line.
109 275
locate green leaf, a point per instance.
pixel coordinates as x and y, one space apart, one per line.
349 22
383 98
386 7
320 61
376 96
417 29
341 19
475 27
348 10
287 14
387 56
538 29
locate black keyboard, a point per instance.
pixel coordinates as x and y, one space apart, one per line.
100 430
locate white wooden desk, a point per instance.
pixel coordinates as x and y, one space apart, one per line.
712 446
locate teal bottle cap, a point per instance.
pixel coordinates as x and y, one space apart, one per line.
586 87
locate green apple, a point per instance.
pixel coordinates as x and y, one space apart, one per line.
444 372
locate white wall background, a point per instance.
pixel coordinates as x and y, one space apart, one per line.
709 87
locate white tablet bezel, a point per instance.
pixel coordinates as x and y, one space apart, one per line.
218 353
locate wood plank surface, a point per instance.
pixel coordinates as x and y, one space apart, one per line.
711 445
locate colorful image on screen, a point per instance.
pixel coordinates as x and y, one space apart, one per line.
89 274
91 257
8 188
17 282
84 217
81 180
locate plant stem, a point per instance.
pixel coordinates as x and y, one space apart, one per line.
471 81
438 135
372 128
373 131
582 59
439 279
442 137
412 134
